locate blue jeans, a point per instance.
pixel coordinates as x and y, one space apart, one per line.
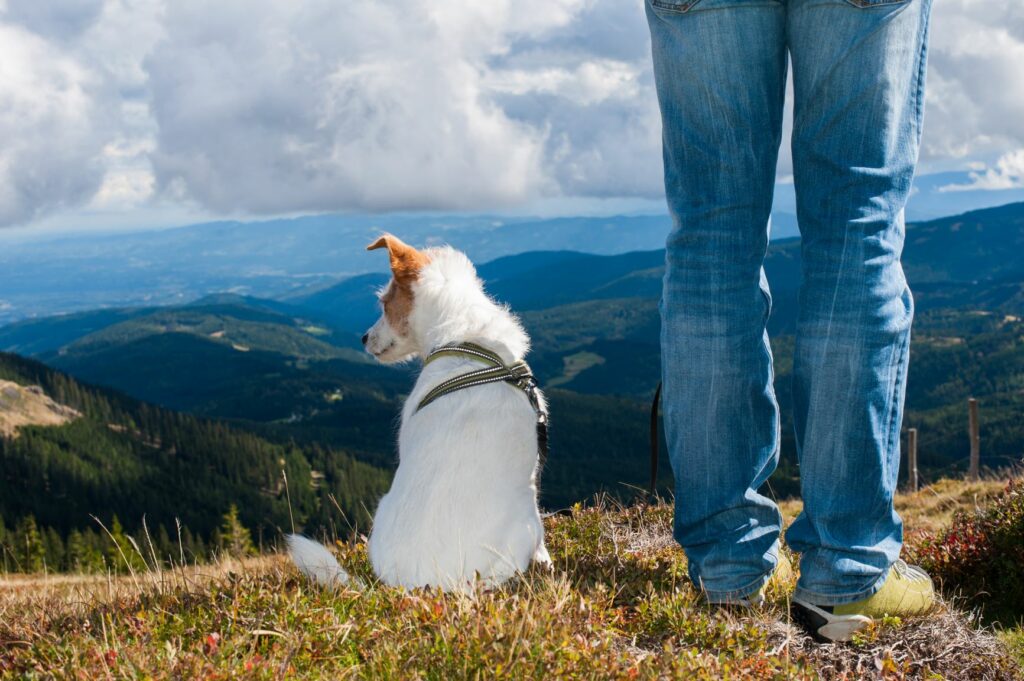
720 68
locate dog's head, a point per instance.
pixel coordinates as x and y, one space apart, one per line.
434 298
391 339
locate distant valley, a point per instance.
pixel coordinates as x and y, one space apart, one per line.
43 275
289 371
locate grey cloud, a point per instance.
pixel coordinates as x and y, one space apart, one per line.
61 19
52 125
262 106
313 110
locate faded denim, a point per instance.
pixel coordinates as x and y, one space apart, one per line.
720 67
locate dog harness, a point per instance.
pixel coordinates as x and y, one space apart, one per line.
517 375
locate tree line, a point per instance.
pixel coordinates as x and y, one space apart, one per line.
126 460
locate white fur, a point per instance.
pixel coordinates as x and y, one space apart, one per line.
463 504
316 562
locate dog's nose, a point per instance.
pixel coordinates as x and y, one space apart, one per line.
366 337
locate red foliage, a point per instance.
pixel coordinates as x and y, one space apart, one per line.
981 556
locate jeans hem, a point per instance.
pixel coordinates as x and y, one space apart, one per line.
740 594
813 598
736 595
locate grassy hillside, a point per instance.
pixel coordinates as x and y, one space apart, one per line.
615 606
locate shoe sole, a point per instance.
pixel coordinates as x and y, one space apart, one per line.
826 626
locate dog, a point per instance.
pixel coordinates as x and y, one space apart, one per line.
463 503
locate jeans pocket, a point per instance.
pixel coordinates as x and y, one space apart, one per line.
679 6
865 4
683 6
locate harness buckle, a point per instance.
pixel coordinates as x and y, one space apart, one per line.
519 374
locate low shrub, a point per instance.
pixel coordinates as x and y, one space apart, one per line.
980 557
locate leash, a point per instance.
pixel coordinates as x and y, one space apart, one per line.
517 375
653 489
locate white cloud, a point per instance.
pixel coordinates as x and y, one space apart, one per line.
260 106
51 122
975 95
1008 173
311 109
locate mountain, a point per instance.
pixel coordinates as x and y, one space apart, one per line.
228 318
116 457
51 275
350 305
287 370
287 384
46 274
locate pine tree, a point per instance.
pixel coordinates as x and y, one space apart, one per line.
83 554
235 538
55 553
165 548
29 548
121 553
4 548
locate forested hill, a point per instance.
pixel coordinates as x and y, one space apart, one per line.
125 459
291 372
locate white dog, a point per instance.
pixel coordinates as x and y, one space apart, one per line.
463 504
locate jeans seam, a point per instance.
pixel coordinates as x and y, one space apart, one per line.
922 63
893 438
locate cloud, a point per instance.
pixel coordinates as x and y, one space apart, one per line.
975 84
72 101
61 19
262 107
1008 173
414 104
51 123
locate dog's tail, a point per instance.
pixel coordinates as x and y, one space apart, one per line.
316 562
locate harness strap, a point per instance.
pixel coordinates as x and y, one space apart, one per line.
472 350
517 375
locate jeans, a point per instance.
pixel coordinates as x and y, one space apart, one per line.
720 69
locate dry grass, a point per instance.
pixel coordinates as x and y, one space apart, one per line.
617 605
932 507
29 406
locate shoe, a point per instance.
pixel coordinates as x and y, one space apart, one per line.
780 578
907 590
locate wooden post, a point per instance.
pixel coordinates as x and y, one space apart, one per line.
972 470
912 458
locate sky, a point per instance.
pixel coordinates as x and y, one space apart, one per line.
155 112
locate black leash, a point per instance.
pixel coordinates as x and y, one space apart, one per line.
653 489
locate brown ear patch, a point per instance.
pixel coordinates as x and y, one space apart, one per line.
406 261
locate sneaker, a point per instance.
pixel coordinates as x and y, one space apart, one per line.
908 590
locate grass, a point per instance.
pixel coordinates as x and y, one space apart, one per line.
1014 641
616 605
932 507
574 365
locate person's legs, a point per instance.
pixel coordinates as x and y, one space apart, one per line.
720 70
858 71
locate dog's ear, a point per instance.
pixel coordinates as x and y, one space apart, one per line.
406 261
